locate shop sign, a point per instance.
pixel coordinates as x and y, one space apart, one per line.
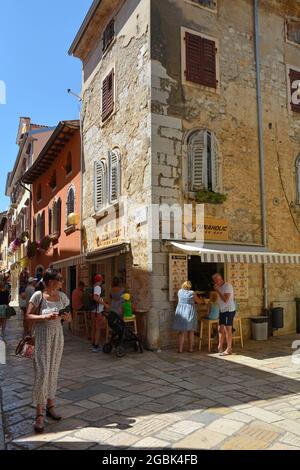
103 243
215 229
238 276
178 273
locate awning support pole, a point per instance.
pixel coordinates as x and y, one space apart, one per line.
261 148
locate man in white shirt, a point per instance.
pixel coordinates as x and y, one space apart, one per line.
97 317
227 312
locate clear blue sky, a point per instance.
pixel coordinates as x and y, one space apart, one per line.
35 37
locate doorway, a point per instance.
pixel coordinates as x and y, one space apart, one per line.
200 274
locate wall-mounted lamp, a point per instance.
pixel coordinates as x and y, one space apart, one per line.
73 220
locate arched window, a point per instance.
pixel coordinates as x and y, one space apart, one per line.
53 182
114 176
56 218
68 166
70 202
38 227
298 178
203 161
39 193
99 185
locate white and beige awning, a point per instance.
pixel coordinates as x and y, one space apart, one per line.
223 253
67 263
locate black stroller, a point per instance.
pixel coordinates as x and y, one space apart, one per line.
121 335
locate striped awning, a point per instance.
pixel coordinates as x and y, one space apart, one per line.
214 253
67 263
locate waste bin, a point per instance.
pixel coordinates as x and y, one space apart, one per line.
297 299
277 317
266 312
259 327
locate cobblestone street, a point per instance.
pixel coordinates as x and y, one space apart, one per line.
250 400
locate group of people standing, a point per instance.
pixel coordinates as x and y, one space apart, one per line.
221 307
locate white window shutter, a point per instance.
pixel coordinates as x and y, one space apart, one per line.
214 162
114 176
99 175
198 160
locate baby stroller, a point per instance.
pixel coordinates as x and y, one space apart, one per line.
121 335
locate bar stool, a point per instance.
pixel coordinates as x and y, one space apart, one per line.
131 320
209 323
75 323
240 331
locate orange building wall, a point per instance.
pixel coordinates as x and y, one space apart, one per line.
68 245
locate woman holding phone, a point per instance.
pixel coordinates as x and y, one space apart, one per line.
46 310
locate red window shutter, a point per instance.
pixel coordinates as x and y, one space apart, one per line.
108 95
200 60
294 75
209 63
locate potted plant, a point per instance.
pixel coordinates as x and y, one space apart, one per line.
45 243
32 249
209 197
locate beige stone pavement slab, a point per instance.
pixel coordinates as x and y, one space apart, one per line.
225 426
202 439
243 443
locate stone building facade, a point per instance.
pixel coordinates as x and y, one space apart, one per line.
163 101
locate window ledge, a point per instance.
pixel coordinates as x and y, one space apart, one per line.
203 7
108 47
102 213
54 237
53 188
69 173
70 229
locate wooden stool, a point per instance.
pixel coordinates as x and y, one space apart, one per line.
210 323
75 323
240 332
132 320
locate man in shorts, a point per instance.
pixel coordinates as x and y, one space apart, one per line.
227 312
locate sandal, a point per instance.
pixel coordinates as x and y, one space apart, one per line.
51 414
226 353
39 427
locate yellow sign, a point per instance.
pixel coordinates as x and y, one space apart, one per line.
103 243
178 273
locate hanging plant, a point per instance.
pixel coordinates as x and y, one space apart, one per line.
210 197
45 243
32 249
24 236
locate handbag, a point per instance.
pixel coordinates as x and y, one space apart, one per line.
26 346
10 311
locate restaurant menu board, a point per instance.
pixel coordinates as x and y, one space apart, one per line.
178 266
237 275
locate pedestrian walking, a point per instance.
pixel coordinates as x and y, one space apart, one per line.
97 318
227 313
186 315
116 296
47 309
4 302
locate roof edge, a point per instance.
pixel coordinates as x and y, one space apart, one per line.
84 26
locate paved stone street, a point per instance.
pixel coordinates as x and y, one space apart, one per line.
250 400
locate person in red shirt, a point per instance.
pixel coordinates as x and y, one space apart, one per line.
77 297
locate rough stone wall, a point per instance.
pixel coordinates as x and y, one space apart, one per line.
231 113
128 129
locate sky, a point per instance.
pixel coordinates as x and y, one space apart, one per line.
35 69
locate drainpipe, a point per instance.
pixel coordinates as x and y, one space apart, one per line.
261 147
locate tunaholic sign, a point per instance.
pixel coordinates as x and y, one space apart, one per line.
215 229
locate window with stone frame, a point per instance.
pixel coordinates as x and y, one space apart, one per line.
203 161
100 196
108 35
108 95
114 176
70 202
293 30
200 60
212 4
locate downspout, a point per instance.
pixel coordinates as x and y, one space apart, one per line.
261 148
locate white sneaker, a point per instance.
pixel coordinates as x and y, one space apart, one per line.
97 349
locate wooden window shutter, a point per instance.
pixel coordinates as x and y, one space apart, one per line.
294 80
193 58
214 163
34 230
209 63
114 176
108 95
42 229
99 186
50 227
58 220
197 152
71 202
200 60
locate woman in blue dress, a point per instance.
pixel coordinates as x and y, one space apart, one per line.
186 315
